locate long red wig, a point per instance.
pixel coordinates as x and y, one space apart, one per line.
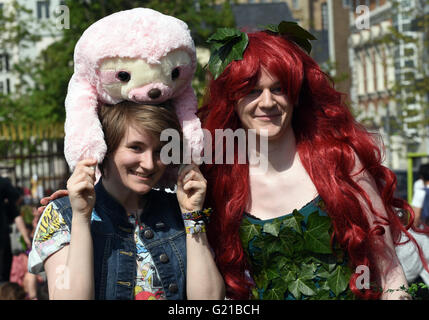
328 142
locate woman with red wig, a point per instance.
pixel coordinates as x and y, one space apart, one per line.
321 221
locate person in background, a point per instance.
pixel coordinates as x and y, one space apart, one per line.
9 196
407 253
420 201
11 291
419 184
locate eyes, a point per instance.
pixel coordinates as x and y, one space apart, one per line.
137 148
175 73
125 76
277 90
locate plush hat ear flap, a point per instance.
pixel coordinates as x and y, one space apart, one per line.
186 108
84 136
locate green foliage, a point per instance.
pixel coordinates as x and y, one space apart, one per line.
291 256
227 45
296 33
42 89
415 290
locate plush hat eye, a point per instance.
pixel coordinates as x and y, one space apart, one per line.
123 76
175 73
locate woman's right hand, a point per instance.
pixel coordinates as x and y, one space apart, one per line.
81 188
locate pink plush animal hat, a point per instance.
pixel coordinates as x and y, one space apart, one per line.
139 55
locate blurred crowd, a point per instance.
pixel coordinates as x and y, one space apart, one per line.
18 221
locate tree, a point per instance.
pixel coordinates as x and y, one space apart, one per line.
411 87
42 100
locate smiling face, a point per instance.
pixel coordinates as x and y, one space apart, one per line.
132 133
135 165
266 107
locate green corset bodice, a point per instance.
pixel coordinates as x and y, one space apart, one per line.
291 256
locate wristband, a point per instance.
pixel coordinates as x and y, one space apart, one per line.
195 222
193 227
197 215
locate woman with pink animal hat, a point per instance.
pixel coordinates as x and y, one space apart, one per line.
120 238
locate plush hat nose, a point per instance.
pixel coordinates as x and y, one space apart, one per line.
154 93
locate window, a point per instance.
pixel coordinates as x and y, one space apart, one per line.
7 86
295 4
325 17
409 63
1 87
43 9
4 62
409 52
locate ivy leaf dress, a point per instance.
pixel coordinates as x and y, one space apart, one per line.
291 258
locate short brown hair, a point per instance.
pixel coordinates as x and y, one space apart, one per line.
116 119
11 291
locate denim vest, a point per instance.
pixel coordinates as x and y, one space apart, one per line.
115 266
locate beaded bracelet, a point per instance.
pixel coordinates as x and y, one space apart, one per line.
195 222
197 215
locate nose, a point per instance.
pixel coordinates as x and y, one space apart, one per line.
266 99
147 162
154 93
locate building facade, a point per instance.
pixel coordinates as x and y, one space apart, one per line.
40 20
378 66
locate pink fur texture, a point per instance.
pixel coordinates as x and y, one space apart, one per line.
137 34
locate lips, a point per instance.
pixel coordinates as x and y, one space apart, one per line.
267 117
141 175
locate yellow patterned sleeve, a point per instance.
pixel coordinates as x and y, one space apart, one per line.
52 233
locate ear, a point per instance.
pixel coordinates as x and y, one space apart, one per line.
84 136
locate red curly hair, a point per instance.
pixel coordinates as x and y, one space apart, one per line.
328 142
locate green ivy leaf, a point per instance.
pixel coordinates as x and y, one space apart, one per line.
338 280
224 35
322 273
281 262
261 280
255 294
272 273
293 29
248 231
294 221
317 237
227 44
270 27
287 242
274 294
300 286
273 227
307 271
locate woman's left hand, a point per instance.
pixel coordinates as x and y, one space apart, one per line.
191 188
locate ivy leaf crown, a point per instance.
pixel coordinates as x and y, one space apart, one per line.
229 44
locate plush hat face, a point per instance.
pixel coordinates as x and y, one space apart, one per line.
138 81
